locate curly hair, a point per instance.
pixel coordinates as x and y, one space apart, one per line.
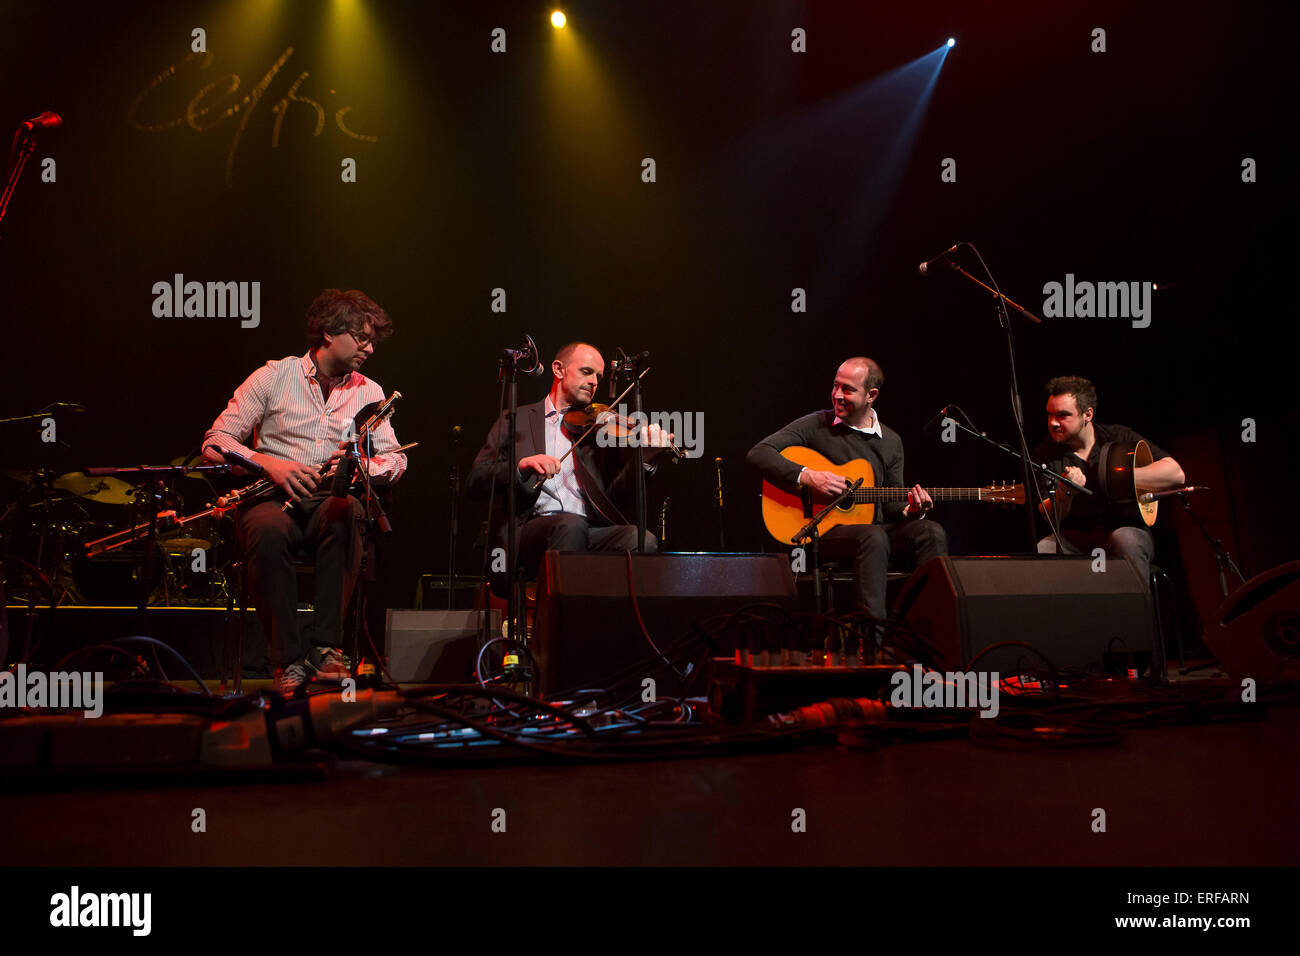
1085 394
336 312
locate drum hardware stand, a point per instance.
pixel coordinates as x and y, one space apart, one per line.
157 482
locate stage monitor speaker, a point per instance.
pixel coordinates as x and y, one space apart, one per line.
1079 618
586 627
1256 631
434 646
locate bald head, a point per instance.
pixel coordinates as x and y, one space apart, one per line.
871 375
857 385
577 370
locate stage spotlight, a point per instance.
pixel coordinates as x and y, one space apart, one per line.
557 19
951 42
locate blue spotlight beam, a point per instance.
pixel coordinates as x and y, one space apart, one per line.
849 150
897 102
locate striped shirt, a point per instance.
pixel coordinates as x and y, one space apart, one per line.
560 492
281 407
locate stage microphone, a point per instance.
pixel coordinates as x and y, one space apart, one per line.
1150 496
47 120
924 267
235 458
537 367
933 424
614 366
455 434
718 463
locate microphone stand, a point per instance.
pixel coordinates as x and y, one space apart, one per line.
509 370
23 147
372 515
508 377
1221 556
638 416
811 532
722 515
1016 405
455 515
1029 464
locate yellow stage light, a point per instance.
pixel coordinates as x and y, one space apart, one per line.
557 19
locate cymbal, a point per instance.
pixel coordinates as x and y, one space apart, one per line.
108 490
27 476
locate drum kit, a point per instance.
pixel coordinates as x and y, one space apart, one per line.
83 539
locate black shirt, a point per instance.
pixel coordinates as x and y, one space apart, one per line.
839 444
1089 512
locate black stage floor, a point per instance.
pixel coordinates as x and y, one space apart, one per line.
1212 795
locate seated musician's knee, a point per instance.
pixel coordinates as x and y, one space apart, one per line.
1130 543
567 532
623 538
340 511
930 538
869 538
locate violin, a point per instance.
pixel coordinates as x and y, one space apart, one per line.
617 428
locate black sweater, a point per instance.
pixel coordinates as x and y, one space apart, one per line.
838 443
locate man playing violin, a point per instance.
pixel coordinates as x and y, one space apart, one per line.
849 431
582 503
298 410
1073 449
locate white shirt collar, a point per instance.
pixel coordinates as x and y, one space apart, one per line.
873 430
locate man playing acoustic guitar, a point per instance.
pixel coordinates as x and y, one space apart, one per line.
1074 449
849 431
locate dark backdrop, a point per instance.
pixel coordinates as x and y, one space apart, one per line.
522 171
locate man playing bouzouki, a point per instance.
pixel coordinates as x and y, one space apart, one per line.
1073 448
849 431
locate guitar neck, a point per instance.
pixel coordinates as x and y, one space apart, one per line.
878 495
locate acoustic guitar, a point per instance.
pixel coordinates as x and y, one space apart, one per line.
785 514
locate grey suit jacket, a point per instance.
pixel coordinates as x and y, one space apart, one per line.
606 475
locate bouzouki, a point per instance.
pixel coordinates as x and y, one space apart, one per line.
785 514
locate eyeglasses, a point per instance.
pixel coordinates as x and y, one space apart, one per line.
361 338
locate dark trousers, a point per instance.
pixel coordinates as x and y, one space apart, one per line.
568 532
872 548
1136 544
329 528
